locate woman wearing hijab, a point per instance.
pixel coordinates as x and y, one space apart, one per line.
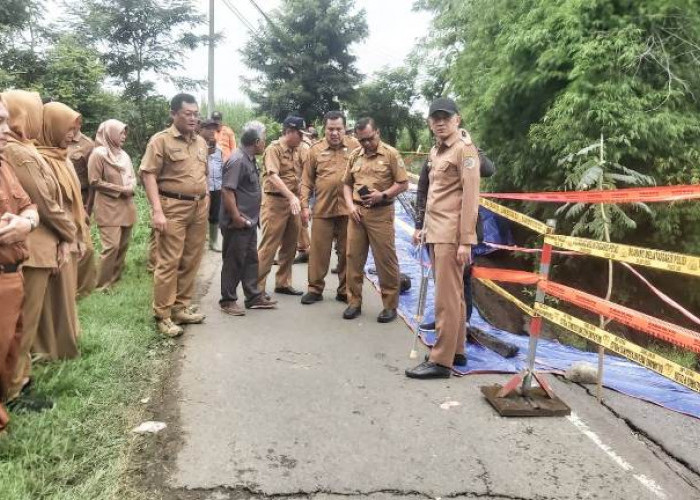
48 245
111 175
59 327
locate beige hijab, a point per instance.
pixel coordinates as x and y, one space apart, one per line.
107 145
59 119
26 115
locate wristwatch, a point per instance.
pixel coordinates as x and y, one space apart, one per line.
384 196
33 223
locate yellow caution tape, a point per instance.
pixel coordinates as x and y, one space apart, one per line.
509 296
658 259
522 219
629 350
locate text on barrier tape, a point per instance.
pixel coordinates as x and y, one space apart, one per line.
623 347
508 296
628 195
663 330
658 259
522 219
668 332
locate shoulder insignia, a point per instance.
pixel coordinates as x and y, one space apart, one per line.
469 162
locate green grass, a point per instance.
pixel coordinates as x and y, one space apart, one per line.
79 450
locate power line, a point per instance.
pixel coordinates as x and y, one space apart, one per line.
241 17
263 13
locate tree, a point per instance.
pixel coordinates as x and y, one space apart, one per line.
388 98
140 39
302 58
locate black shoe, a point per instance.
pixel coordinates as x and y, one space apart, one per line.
27 403
459 359
386 316
428 369
288 290
301 258
427 326
311 297
352 312
341 297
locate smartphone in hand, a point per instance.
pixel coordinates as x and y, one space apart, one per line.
363 191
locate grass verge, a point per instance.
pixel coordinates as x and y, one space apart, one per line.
79 450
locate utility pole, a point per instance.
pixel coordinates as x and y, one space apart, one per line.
210 97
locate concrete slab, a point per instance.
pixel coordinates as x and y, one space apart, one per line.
300 402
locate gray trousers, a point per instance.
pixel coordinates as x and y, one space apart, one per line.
240 256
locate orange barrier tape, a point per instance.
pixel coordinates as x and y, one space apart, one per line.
507 275
630 195
674 334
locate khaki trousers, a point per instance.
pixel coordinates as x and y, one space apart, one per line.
450 311
179 251
280 230
376 231
323 232
11 297
152 252
36 281
115 243
304 241
87 271
57 336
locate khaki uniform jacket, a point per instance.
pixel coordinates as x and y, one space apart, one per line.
112 208
286 163
56 225
79 154
324 169
13 200
178 162
453 196
379 170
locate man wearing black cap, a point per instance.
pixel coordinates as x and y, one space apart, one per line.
450 230
225 137
280 218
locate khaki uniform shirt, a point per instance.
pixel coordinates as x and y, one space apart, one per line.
379 171
112 209
178 162
13 200
453 196
79 153
55 224
324 168
286 163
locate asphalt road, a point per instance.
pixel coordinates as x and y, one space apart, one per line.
299 403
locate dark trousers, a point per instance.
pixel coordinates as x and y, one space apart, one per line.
214 206
240 256
468 290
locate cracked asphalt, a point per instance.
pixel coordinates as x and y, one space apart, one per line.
299 403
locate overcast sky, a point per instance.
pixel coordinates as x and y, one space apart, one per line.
393 31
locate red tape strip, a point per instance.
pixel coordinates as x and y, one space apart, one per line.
629 195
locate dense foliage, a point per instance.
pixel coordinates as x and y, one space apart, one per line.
302 58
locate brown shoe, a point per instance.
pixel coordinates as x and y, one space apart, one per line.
233 309
168 328
187 316
262 303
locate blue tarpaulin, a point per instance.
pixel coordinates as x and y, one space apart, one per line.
619 374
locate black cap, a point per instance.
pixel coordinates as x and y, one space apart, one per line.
216 115
294 122
443 104
209 123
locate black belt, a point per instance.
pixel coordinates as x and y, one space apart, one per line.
185 197
9 268
276 195
376 205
